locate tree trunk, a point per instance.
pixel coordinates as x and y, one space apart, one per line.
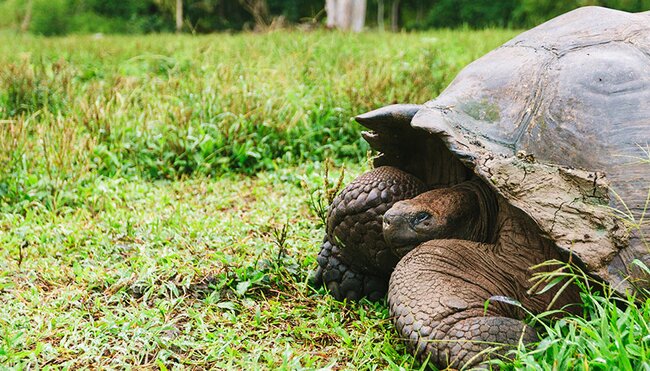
330 8
346 14
380 15
24 25
179 15
394 18
358 15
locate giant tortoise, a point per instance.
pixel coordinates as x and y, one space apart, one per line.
539 150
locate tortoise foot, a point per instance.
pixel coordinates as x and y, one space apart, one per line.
342 281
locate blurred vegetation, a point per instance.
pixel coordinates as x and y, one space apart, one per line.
57 17
167 107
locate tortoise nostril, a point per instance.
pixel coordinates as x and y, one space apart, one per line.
390 223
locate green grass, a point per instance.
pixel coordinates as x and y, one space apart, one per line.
155 201
180 273
613 334
163 107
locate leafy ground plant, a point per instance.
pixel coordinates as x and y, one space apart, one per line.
613 332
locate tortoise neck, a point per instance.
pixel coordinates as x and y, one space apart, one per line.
484 229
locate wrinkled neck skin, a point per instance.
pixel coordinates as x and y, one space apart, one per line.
466 211
483 227
520 246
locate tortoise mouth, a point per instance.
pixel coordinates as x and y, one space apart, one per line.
401 251
400 235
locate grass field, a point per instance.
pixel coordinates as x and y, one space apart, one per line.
155 202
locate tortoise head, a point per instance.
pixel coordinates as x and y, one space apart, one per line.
443 213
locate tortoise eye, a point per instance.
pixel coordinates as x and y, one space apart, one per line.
420 217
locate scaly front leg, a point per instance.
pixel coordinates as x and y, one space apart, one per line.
437 295
354 260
